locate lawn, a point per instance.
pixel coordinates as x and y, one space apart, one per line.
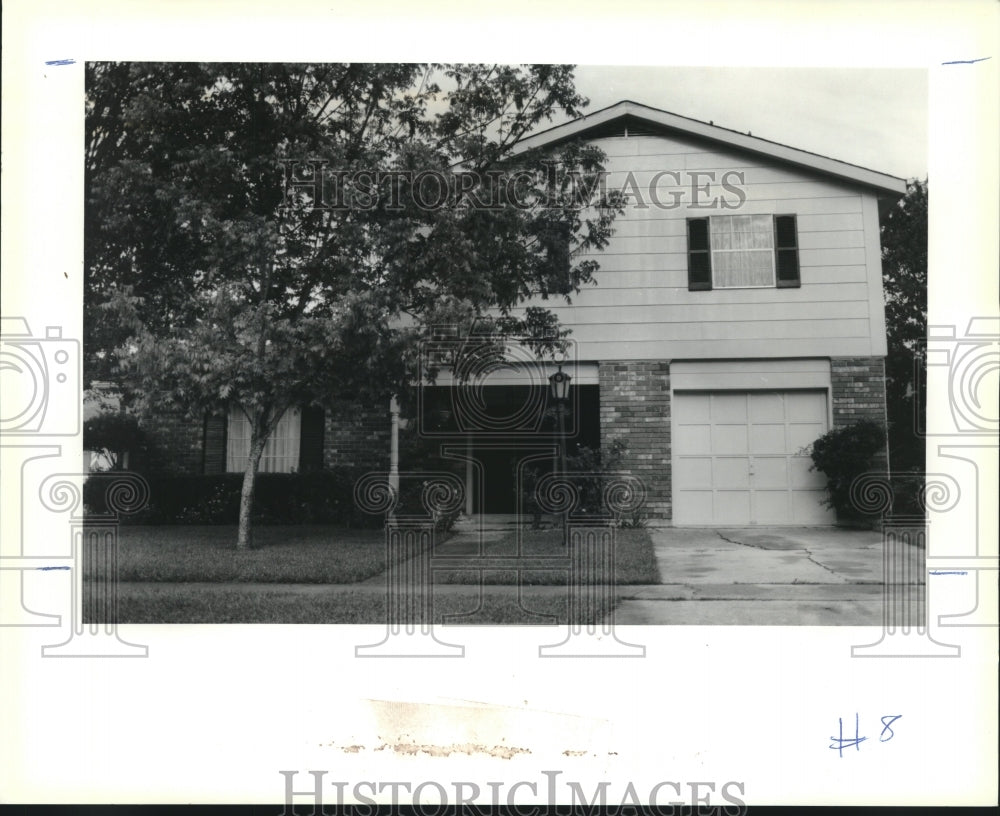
332 555
191 603
635 560
188 574
281 555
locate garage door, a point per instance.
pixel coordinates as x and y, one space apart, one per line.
738 457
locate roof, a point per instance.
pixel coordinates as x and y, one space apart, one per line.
666 122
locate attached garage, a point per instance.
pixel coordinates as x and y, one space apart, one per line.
739 454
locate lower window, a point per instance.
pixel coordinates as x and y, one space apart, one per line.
281 452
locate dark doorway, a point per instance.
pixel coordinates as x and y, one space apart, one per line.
507 427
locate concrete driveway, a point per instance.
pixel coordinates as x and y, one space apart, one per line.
787 576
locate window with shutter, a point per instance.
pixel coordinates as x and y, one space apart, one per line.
214 443
281 451
742 252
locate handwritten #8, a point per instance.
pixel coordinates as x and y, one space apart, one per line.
841 742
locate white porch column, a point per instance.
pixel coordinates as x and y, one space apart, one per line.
469 474
394 445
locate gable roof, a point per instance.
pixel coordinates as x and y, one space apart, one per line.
644 120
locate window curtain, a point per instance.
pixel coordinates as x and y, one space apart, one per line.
742 250
281 452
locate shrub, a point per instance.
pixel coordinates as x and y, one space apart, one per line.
113 435
842 455
324 497
634 521
583 460
411 504
422 454
597 463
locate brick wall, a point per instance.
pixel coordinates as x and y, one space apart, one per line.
635 407
356 436
177 444
859 393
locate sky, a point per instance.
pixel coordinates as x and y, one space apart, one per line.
875 118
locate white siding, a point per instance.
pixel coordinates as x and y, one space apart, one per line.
746 375
641 308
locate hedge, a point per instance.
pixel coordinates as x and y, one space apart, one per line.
323 497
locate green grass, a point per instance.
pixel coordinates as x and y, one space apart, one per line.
331 555
165 603
635 560
181 574
294 555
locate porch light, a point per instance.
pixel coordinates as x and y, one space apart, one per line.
559 389
559 385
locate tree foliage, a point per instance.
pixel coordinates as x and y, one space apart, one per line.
904 272
217 272
113 435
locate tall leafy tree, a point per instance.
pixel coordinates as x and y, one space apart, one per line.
269 235
904 274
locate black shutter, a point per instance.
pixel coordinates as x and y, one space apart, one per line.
786 251
699 255
311 439
214 443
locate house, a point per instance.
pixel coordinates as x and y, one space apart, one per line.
738 315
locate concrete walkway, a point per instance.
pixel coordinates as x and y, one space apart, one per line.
784 576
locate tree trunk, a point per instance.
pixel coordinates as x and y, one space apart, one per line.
244 538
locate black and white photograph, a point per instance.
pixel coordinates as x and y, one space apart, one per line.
484 409
410 343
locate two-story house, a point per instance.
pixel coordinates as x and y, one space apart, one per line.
738 315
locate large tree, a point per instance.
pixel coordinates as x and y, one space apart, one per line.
904 274
269 235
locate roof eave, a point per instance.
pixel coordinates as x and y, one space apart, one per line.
883 183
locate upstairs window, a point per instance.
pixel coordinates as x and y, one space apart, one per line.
742 251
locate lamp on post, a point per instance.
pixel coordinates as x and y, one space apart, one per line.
559 389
